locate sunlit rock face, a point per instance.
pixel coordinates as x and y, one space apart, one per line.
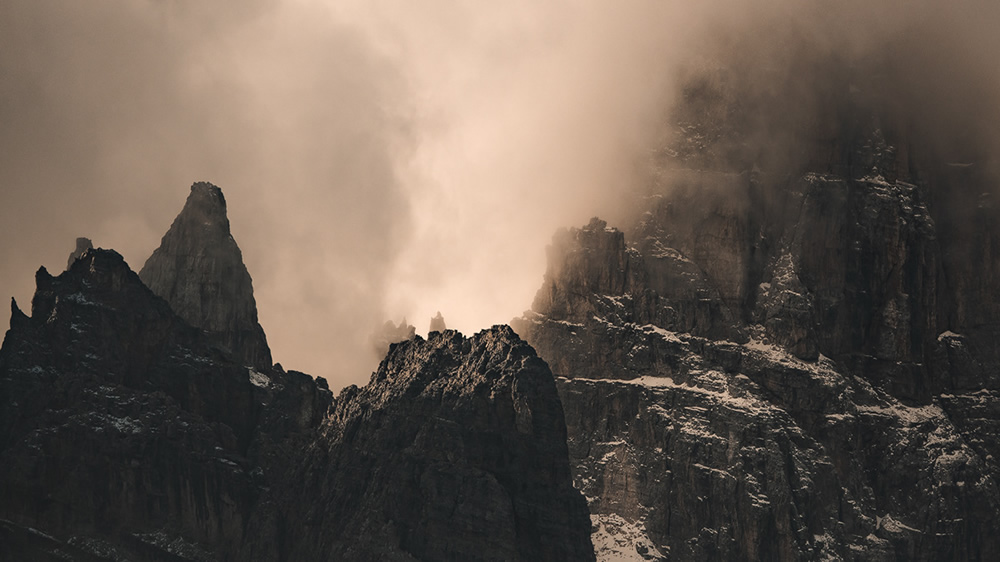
787 357
199 270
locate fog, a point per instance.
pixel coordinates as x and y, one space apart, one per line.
388 159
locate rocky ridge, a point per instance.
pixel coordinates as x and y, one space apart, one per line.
198 269
775 362
120 424
82 245
126 433
456 450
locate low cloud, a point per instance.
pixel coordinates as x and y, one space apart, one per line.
387 159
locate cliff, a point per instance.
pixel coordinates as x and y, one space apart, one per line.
199 270
783 358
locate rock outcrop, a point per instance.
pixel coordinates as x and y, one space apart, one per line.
437 324
784 360
122 432
199 270
389 334
82 245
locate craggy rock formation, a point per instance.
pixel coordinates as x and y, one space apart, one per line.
389 334
121 430
82 245
456 450
437 324
199 270
127 434
784 359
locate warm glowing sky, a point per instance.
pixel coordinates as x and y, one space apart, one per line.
380 159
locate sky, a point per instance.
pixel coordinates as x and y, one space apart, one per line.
381 159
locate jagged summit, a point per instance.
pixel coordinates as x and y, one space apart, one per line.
455 450
125 434
389 334
437 324
199 270
207 203
82 245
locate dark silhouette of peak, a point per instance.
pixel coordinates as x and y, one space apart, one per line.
455 450
82 245
199 270
206 205
125 434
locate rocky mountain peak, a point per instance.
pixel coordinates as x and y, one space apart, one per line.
389 334
206 204
829 316
437 324
82 245
125 434
199 270
460 445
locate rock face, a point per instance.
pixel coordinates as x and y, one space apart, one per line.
792 361
437 324
199 270
127 434
389 334
456 450
82 245
120 426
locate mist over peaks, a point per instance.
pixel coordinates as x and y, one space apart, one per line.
389 160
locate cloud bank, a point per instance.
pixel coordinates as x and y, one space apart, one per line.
387 159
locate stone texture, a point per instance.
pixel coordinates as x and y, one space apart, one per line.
199 270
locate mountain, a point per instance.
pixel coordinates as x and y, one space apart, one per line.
126 433
122 431
785 356
82 245
789 352
199 270
455 450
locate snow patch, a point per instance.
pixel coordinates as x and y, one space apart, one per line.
80 298
174 545
665 334
948 334
615 539
126 424
259 379
893 525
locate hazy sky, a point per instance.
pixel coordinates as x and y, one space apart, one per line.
380 159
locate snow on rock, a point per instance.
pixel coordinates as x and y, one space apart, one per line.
617 540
